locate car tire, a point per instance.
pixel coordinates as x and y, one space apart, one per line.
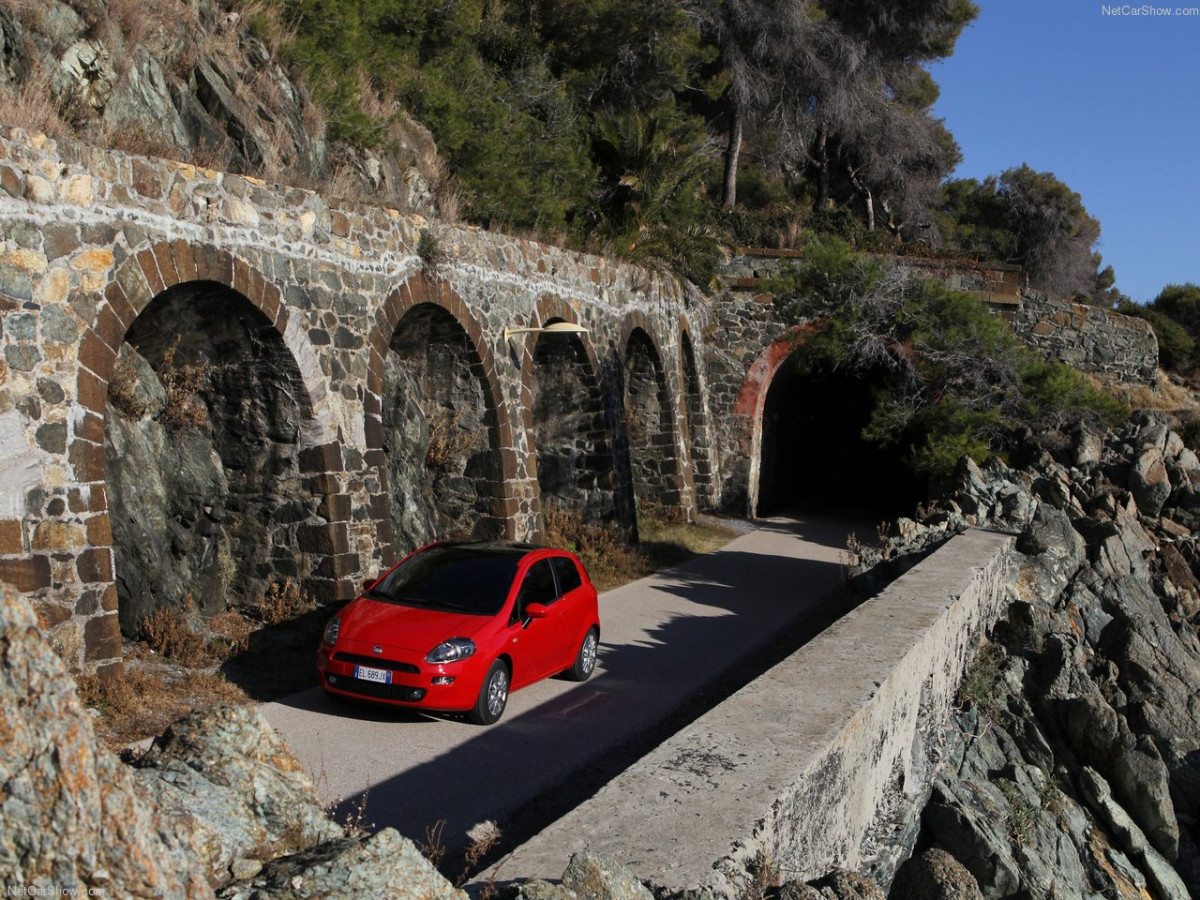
493 696
585 659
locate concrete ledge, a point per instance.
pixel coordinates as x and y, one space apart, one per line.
822 762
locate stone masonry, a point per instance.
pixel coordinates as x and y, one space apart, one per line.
1090 338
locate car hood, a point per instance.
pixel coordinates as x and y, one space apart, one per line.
404 627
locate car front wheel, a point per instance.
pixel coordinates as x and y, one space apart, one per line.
493 696
585 659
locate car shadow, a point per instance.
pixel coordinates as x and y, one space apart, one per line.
744 613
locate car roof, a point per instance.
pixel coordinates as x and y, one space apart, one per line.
493 546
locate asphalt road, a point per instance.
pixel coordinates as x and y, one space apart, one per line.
671 644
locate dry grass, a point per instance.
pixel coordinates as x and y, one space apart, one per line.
176 634
123 387
285 601
612 559
1166 396
147 698
448 441
183 662
183 384
31 105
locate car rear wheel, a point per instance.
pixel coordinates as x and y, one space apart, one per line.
493 696
585 659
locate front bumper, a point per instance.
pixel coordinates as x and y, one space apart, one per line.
410 684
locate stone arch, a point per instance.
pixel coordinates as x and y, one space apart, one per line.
748 416
695 420
491 467
563 413
649 417
802 427
156 274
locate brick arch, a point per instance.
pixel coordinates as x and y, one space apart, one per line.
676 489
416 291
550 308
748 411
698 473
133 286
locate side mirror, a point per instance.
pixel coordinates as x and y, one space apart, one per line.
536 611
368 583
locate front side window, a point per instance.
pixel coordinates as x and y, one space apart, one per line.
537 587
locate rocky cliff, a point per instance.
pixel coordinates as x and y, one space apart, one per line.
203 81
1073 769
217 807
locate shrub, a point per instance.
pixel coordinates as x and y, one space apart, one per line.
952 379
185 406
123 385
170 631
1176 348
285 600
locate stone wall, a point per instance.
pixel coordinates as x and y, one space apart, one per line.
825 761
95 242
1092 339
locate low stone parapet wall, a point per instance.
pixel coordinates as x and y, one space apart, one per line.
825 761
1089 338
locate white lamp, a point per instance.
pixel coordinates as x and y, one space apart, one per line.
552 328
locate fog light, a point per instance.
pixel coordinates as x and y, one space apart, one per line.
443 679
333 679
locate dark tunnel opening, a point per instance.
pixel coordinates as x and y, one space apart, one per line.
814 457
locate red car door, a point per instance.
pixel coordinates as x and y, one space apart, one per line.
543 638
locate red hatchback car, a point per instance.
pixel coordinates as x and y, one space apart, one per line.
457 625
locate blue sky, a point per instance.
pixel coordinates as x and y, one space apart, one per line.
1109 103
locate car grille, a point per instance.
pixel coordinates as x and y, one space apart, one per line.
380 691
376 663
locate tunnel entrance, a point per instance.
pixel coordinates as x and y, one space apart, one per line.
814 457
439 433
208 498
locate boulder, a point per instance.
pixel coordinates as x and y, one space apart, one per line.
934 875
591 876
382 865
73 818
249 796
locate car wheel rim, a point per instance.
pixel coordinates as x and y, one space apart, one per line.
588 653
497 693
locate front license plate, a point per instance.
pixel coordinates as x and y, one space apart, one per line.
383 676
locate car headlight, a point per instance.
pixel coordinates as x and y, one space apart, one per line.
451 651
331 631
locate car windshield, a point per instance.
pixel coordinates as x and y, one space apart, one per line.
471 580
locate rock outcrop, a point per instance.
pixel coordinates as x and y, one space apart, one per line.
194 82
1074 767
217 805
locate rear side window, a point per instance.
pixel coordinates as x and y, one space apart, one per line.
568 575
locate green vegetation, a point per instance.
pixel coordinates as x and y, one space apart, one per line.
950 377
1175 317
664 132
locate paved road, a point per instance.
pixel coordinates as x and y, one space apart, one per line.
664 640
